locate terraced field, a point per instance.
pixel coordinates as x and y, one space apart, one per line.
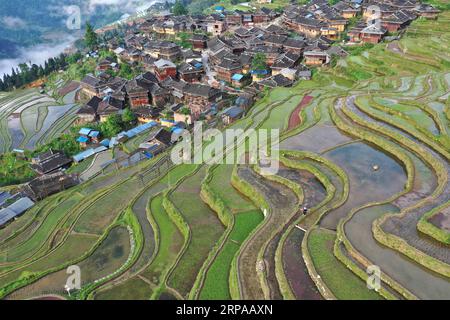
364 145
29 119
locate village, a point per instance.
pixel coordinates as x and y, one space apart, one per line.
209 68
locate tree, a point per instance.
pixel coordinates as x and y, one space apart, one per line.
259 62
126 71
74 58
112 126
179 9
90 37
128 117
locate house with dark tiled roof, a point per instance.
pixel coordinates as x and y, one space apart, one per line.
309 26
88 112
138 91
232 114
275 40
148 113
109 106
398 20
271 53
192 71
285 60
189 55
200 98
346 9
233 18
427 11
199 41
261 16
163 50
316 57
368 34
48 184
164 69
294 46
277 80
377 9
276 30
50 161
106 64
175 89
227 68
90 85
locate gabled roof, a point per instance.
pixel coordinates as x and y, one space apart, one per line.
200 90
90 107
276 81
229 64
191 67
51 162
110 105
162 136
149 77
90 80
292 43
273 28
162 63
234 112
373 29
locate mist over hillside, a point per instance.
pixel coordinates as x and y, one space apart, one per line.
34 30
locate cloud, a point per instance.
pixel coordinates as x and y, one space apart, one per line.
13 22
37 54
125 6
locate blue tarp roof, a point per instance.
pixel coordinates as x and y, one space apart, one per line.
82 139
237 76
85 131
94 134
234 112
177 130
138 130
83 155
6 215
198 65
4 195
113 142
88 153
259 72
14 210
21 205
105 143
100 149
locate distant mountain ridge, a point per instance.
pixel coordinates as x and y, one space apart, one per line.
25 23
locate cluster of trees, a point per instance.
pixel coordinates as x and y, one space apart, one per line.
197 7
14 170
179 8
27 72
90 37
259 62
117 123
